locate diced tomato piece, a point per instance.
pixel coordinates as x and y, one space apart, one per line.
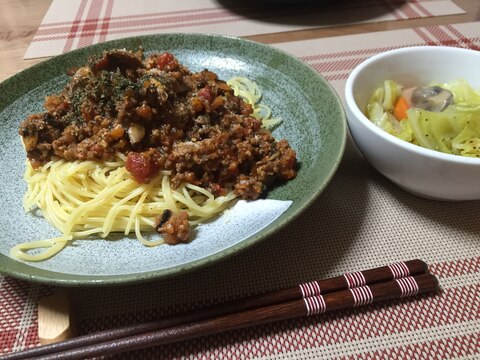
165 61
142 166
206 94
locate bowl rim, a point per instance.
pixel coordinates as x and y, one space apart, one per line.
360 117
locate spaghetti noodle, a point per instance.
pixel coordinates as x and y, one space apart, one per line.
87 198
250 92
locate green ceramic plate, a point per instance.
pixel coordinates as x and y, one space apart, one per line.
313 122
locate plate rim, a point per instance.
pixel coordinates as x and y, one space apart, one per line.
66 279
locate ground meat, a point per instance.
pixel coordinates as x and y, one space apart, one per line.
174 228
163 117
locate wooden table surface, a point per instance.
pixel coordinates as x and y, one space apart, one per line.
21 18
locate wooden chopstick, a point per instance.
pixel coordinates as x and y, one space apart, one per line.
364 295
314 288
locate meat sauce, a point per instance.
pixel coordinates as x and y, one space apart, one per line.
161 116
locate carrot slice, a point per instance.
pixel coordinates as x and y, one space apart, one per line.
400 108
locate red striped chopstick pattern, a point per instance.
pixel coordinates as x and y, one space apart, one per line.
408 286
355 279
315 305
356 283
362 296
310 289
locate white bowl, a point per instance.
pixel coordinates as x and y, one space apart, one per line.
424 172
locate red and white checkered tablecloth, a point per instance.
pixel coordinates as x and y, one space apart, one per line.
77 23
360 221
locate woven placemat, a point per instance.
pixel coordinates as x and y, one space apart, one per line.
78 23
